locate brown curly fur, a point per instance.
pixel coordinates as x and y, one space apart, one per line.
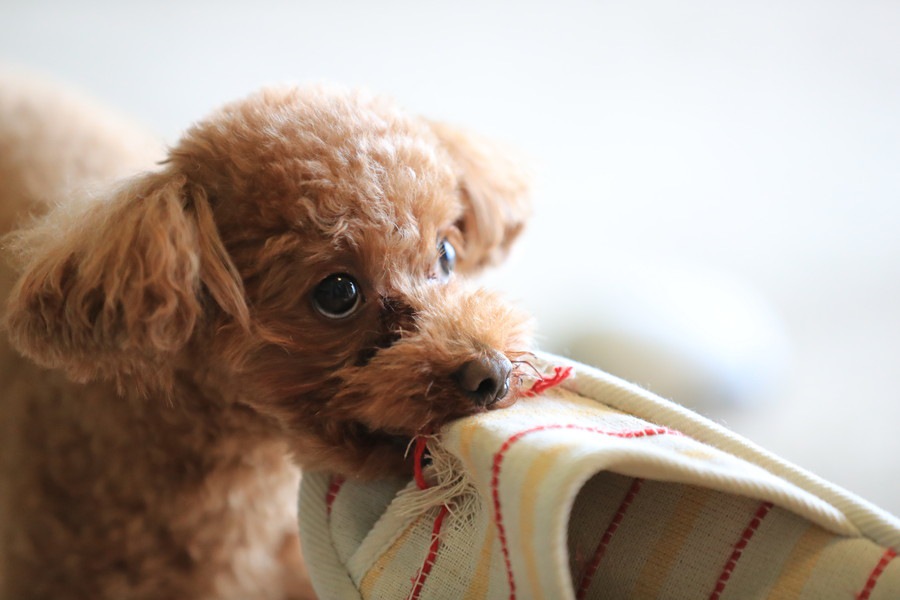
180 303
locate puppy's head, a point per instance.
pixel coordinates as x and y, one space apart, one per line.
301 252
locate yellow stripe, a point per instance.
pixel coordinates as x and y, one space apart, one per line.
465 441
799 565
478 589
373 576
534 478
681 523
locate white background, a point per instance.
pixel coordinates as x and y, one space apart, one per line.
750 146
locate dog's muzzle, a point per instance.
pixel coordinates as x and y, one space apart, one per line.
485 379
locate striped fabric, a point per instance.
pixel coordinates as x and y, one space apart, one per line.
596 489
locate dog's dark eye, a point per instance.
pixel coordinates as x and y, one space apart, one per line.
337 296
446 258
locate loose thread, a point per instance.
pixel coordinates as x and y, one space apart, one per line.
543 384
560 374
422 484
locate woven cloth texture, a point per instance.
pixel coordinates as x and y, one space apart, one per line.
596 489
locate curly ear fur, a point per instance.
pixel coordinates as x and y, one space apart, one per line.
119 290
495 193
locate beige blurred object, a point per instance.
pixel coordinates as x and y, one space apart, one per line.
692 335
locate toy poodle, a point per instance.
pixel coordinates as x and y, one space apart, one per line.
284 287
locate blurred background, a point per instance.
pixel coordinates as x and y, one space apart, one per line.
718 183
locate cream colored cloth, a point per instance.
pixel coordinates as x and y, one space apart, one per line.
596 489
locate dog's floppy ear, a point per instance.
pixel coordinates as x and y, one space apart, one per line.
121 287
495 193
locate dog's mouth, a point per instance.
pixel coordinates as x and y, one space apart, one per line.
394 439
369 424
393 445
463 404
373 433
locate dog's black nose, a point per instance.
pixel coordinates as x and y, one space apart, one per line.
486 378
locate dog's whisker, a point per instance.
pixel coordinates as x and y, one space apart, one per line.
531 366
518 354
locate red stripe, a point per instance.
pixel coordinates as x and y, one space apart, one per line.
738 550
887 557
422 484
498 461
543 384
591 569
422 575
333 489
